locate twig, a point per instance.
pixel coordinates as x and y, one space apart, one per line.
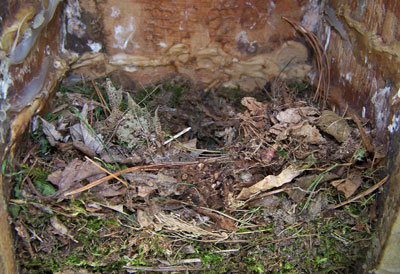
132 269
177 135
246 203
184 261
102 100
40 195
108 172
29 172
131 169
362 194
149 94
321 56
364 136
314 185
29 154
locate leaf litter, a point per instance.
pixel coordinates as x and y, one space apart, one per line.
246 184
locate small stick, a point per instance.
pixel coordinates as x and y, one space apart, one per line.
364 135
131 169
108 172
131 269
362 194
103 101
177 135
29 154
29 172
263 195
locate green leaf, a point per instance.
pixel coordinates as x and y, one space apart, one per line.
14 210
45 187
360 154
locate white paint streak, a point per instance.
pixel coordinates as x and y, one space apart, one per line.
123 34
162 44
242 37
6 79
74 24
349 76
395 124
396 96
115 12
328 32
313 15
130 69
270 7
381 107
364 112
94 46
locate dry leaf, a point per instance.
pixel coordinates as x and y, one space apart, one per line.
144 190
289 116
144 219
84 149
60 228
350 184
298 190
24 235
111 190
334 125
253 105
296 115
80 132
221 221
118 208
75 172
50 131
281 131
310 133
268 201
167 185
120 158
271 181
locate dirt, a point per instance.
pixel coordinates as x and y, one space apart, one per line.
256 185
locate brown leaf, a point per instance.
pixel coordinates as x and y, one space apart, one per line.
167 185
84 149
118 157
271 181
289 116
253 105
351 184
281 131
24 235
80 132
144 190
268 201
70 177
334 125
296 115
60 228
51 133
144 219
309 133
111 190
222 221
298 190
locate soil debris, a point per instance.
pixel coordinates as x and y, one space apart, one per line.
170 178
